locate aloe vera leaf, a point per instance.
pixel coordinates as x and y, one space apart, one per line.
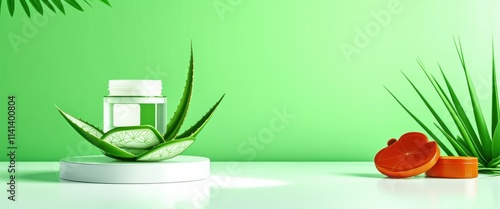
175 123
11 5
37 5
495 145
451 110
92 134
59 5
458 147
136 152
85 126
49 5
25 7
167 150
461 114
74 4
198 126
433 136
0 6
463 143
496 141
465 147
478 114
494 162
135 137
488 169
436 116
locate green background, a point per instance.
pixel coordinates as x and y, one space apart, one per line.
267 56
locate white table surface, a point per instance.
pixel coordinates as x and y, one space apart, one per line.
281 185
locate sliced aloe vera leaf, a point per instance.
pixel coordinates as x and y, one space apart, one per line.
135 137
174 125
85 126
92 135
198 126
118 158
167 150
136 152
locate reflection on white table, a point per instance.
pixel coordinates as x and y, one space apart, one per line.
258 185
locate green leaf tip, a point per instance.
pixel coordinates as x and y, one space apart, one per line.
176 121
11 5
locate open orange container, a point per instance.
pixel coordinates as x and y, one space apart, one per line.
454 167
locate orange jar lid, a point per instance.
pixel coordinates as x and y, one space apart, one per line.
454 167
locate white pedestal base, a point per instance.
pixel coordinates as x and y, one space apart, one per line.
101 169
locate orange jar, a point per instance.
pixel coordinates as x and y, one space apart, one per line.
454 167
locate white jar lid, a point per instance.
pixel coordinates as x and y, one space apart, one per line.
135 88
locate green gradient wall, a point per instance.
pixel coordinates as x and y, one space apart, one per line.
303 79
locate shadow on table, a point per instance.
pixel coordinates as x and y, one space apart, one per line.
42 176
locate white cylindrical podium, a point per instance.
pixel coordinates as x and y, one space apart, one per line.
101 169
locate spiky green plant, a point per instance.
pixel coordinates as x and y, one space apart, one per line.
469 141
38 5
145 143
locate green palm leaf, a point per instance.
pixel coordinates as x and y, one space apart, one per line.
463 116
463 144
449 107
106 2
25 7
175 123
37 5
495 146
462 151
436 116
478 114
49 5
496 142
74 4
433 136
59 5
473 139
11 6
